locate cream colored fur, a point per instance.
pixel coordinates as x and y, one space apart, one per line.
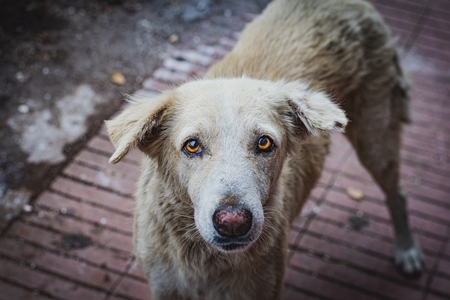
293 73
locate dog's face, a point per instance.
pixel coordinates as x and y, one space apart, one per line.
222 143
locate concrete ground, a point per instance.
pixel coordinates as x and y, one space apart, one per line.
74 240
65 65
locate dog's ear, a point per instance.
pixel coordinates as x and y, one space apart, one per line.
313 112
137 124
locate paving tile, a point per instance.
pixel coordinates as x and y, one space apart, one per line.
103 145
193 57
131 288
357 260
59 266
100 162
441 285
40 281
322 288
368 283
444 267
87 212
293 294
91 194
55 241
435 297
136 272
101 178
9 291
113 240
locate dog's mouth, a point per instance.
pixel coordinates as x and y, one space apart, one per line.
231 244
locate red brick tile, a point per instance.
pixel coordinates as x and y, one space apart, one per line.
100 161
291 294
380 210
155 85
227 42
351 237
323 288
426 147
165 75
326 176
444 266
132 288
337 197
87 212
101 178
182 66
144 94
398 12
318 191
416 173
93 194
53 241
292 237
435 297
364 280
105 146
385 230
418 195
9 291
99 234
193 57
353 167
447 249
77 271
136 271
357 259
212 51
441 285
39 281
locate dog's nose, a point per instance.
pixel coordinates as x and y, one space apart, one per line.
232 221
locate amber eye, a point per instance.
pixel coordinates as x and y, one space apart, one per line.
265 144
192 147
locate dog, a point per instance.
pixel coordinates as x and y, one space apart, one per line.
231 158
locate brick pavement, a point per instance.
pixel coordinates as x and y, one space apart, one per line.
76 243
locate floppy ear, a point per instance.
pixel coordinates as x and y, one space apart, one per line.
313 110
137 124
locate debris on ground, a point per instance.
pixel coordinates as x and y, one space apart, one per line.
355 194
358 221
75 241
118 78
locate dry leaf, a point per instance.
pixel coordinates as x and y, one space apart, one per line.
355 194
173 38
118 78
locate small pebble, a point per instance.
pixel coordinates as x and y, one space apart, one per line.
27 208
23 109
118 78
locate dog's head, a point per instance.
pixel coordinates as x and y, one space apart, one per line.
220 144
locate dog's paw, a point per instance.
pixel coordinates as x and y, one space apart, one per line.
409 261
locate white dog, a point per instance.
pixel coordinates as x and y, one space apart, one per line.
231 159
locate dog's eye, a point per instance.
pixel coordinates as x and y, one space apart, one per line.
192 147
265 144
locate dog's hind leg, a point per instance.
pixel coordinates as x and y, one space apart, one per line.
375 133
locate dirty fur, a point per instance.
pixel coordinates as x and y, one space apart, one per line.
299 71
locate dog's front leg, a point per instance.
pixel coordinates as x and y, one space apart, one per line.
164 285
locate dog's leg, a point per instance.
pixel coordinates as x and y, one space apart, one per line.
375 133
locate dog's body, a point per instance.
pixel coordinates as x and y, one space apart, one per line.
231 159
